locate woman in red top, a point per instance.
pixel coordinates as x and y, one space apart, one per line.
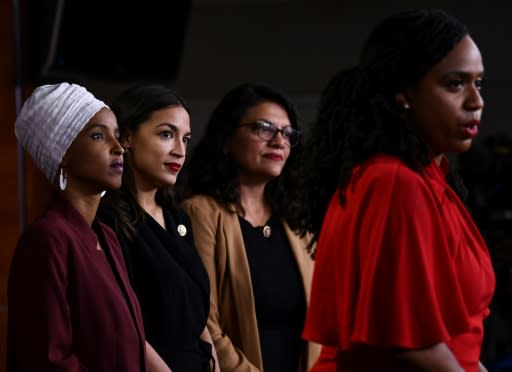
403 278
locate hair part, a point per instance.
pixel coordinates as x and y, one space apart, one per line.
133 107
211 170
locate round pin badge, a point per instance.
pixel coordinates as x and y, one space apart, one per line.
267 231
182 230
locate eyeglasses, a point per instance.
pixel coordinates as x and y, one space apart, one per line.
267 131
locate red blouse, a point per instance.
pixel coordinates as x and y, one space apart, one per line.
402 265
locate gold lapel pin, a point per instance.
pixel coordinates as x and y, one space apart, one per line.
267 231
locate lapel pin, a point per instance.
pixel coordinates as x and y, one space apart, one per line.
267 231
182 230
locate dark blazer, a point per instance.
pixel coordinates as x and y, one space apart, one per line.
171 284
68 310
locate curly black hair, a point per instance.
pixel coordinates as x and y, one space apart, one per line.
212 172
358 115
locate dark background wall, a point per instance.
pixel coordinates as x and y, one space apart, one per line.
203 48
300 44
9 223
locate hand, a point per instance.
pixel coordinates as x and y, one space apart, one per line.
436 358
154 361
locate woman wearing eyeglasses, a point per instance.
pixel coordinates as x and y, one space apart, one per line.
240 178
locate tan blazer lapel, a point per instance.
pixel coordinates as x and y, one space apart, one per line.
305 264
304 261
242 289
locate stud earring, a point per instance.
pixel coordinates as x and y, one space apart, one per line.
406 106
102 194
63 180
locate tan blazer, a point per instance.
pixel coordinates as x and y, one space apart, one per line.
232 320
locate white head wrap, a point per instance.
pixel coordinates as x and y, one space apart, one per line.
51 119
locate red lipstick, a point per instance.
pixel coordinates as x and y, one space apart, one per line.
275 157
174 167
471 128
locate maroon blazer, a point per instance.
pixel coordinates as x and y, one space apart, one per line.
69 308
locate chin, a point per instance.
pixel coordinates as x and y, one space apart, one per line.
171 181
275 172
464 145
459 146
112 186
267 177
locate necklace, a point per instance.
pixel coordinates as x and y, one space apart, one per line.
267 231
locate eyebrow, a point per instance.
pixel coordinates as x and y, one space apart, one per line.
463 74
103 126
173 128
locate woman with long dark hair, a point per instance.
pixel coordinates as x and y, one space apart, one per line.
240 199
164 267
403 278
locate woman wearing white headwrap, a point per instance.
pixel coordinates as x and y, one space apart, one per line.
71 307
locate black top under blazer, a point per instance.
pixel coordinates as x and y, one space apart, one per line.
172 286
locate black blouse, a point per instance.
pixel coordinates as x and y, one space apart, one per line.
172 286
278 294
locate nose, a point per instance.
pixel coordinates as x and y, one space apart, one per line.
117 148
179 150
279 139
474 101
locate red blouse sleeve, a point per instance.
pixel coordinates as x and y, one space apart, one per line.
408 292
390 271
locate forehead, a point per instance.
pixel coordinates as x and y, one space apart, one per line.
267 110
465 57
172 117
176 116
104 117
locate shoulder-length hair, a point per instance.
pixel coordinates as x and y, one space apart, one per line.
132 108
212 172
